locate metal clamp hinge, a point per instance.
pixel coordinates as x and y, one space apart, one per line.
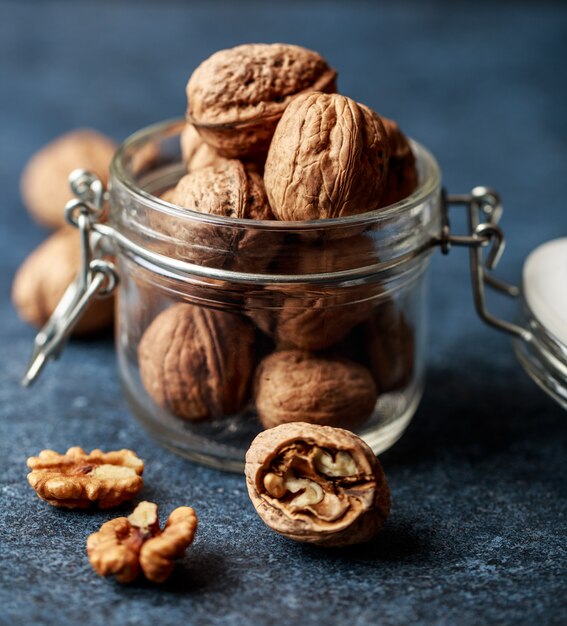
484 211
97 276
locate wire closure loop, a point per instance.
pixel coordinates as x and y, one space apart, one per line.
97 277
484 211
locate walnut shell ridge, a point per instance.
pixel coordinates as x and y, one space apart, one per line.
328 158
42 279
197 363
45 180
364 497
298 386
236 96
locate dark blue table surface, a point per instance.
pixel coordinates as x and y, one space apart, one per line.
477 532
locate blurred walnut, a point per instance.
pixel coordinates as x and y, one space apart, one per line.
296 386
196 153
77 480
43 278
328 158
402 171
196 362
44 183
236 97
227 190
125 545
385 343
317 484
317 317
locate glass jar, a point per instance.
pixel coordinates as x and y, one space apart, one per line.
226 326
335 298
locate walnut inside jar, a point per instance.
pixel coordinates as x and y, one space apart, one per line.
317 484
226 189
328 158
196 362
293 385
236 96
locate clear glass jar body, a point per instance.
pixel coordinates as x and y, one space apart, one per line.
344 299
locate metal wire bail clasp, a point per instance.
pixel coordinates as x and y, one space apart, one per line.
96 277
484 210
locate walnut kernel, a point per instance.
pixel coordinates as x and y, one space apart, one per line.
77 480
125 545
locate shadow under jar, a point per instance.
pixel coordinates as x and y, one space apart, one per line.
226 326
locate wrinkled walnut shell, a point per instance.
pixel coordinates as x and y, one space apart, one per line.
317 484
45 179
43 278
125 545
197 363
196 153
227 189
77 480
236 97
385 344
328 158
296 386
402 171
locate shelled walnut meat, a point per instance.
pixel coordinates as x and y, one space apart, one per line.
328 158
44 277
125 545
77 480
196 362
236 96
293 385
45 179
317 484
229 190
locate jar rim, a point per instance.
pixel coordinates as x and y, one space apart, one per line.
120 172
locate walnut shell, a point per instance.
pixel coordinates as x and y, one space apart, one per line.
197 363
43 278
196 153
328 158
317 484
227 189
45 179
318 318
236 97
402 171
297 386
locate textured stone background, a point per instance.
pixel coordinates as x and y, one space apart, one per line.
477 533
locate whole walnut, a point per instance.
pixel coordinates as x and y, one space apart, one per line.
236 97
227 189
402 171
44 183
196 362
196 153
318 317
317 484
385 343
328 158
42 279
298 386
